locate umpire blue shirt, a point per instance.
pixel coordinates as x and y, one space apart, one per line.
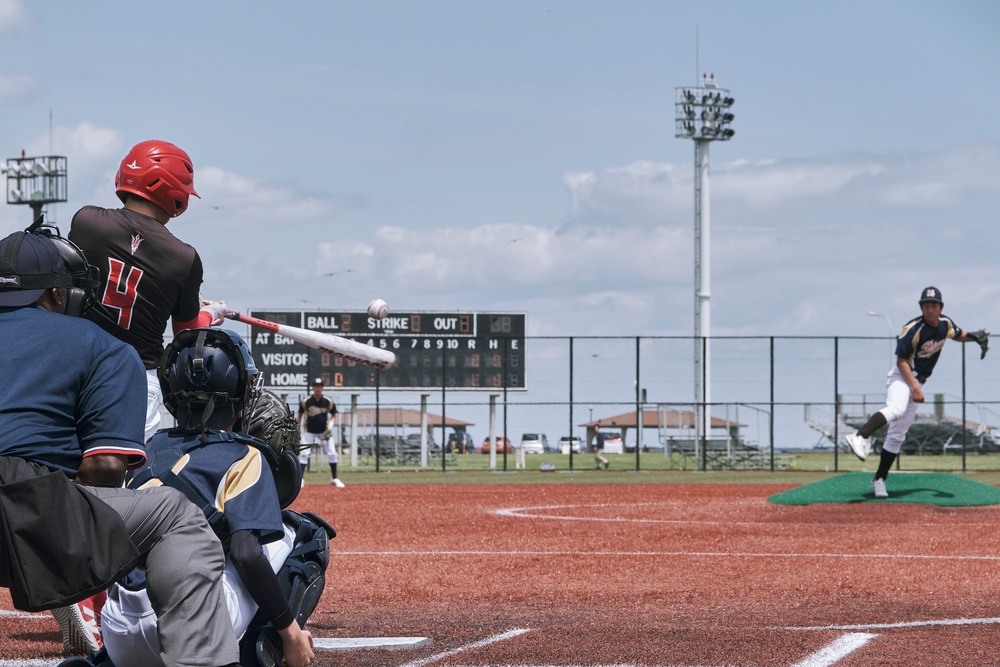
69 390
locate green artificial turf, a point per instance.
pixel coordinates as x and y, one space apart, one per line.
903 487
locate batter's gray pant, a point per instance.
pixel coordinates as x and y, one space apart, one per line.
184 562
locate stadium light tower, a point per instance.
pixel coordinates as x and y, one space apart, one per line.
35 181
702 114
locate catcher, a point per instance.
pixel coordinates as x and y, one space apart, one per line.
275 559
917 350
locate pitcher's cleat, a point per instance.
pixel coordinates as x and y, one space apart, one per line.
860 446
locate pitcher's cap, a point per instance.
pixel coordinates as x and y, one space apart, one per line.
931 294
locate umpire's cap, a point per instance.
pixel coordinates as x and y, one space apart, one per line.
931 295
29 265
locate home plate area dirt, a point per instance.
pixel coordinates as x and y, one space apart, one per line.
634 574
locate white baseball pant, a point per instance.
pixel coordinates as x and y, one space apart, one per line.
899 411
128 623
329 445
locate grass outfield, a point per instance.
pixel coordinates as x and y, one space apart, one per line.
535 476
790 467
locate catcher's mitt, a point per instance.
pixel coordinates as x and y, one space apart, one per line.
983 338
272 422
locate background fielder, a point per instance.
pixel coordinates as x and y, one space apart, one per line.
319 428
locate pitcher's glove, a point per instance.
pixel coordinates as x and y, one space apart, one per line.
272 422
982 337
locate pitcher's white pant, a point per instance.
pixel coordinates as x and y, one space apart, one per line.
128 624
899 410
309 440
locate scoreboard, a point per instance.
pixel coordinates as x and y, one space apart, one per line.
462 351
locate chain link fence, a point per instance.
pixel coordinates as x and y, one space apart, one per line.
771 403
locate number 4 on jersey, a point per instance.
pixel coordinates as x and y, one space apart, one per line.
119 295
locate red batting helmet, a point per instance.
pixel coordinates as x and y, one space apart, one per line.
160 172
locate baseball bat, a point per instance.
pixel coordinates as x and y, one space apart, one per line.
337 345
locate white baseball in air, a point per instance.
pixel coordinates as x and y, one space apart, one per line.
378 309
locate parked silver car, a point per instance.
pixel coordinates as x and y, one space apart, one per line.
534 443
571 442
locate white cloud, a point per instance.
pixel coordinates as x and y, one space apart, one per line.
245 201
13 15
658 193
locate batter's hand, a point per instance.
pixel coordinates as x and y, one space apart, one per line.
983 338
217 309
917 395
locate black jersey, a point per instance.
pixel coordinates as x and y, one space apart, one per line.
147 276
317 412
920 344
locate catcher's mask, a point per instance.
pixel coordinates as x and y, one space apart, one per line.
208 379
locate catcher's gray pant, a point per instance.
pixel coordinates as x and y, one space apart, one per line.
184 562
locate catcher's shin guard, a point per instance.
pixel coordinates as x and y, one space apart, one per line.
302 578
305 596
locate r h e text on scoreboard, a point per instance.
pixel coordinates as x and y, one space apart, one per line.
468 351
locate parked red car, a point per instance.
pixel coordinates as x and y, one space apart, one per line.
502 443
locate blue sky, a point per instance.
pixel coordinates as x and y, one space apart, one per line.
521 155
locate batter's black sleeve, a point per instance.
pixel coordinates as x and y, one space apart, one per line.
258 577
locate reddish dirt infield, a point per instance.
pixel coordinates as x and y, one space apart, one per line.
639 574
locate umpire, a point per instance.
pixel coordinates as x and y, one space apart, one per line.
73 402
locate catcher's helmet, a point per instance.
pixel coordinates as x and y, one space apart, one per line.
157 171
208 379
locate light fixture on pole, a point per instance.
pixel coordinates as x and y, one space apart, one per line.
892 332
702 114
887 322
36 181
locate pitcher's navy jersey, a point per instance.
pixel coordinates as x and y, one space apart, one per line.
920 344
147 276
232 475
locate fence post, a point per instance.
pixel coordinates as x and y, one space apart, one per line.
492 435
771 411
836 404
965 428
571 431
354 430
444 412
638 407
423 430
